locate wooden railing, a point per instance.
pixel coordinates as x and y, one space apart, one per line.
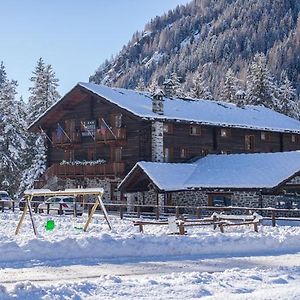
154 211
66 138
76 137
114 134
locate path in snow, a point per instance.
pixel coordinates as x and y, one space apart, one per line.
79 272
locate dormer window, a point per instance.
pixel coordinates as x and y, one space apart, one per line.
195 130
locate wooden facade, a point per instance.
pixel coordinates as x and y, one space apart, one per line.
85 128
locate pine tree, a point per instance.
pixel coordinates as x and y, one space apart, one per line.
12 138
44 91
287 98
200 89
37 166
260 83
230 87
141 85
3 76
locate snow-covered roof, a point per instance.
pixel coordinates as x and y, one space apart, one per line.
205 112
201 111
257 170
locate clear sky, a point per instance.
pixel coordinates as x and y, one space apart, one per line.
74 36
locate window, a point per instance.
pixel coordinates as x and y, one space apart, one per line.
225 132
195 130
249 142
168 128
168 154
183 153
219 199
294 138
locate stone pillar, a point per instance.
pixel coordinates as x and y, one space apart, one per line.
161 202
157 141
130 202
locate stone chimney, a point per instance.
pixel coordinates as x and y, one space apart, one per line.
168 85
158 102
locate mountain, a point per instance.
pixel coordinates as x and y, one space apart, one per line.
210 36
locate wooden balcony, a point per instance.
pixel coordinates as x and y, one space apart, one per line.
76 137
114 134
114 169
73 137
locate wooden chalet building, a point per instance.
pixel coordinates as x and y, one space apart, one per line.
96 134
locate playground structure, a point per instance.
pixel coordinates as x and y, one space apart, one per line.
29 194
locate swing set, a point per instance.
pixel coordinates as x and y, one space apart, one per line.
97 192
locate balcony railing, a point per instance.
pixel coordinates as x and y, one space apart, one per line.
114 134
66 138
116 169
100 136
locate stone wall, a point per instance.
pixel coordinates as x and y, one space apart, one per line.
200 198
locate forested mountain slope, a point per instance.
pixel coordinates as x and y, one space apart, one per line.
210 36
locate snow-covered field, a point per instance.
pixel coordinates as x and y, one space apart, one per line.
124 264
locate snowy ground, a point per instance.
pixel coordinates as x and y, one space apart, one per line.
123 264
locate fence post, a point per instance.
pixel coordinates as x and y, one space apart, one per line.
48 208
157 212
121 212
138 211
177 212
13 206
273 219
2 206
198 212
60 209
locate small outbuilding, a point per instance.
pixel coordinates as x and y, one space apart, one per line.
254 180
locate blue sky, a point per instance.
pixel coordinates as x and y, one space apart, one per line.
74 36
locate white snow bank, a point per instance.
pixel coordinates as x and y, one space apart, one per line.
67 242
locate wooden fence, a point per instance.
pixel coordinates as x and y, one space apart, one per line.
158 212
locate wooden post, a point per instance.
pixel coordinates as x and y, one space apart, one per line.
13 206
181 228
214 221
27 206
221 227
273 219
75 207
255 227
121 212
48 208
141 228
60 209
2 203
177 212
157 212
198 212
89 209
138 211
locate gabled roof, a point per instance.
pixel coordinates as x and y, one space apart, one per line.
235 171
204 112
